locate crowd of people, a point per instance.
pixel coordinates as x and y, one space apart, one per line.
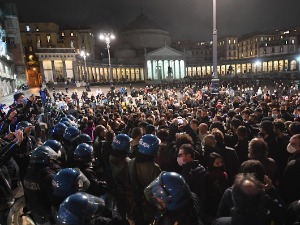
163 154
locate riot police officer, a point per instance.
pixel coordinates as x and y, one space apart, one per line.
66 182
83 157
142 171
174 201
119 161
38 184
85 209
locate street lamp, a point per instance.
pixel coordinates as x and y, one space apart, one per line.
84 54
215 80
107 37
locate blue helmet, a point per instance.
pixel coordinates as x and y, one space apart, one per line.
171 188
65 119
70 133
43 155
53 144
148 144
22 125
79 209
71 117
67 123
121 143
83 153
82 138
68 181
59 130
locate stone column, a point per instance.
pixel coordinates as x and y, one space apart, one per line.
53 72
65 71
44 80
75 71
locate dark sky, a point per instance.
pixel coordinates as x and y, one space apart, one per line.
185 19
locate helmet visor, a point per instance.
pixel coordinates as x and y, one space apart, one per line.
157 194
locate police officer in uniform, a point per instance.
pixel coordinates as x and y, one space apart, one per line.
66 182
142 171
85 209
38 184
83 157
119 168
174 201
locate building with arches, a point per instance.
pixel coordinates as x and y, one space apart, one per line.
144 53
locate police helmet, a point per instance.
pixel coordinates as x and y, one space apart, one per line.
68 181
71 117
22 125
59 130
70 133
43 155
83 153
79 209
121 143
53 144
67 123
82 138
65 119
171 188
148 144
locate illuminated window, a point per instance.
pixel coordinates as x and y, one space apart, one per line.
229 41
234 41
48 38
71 34
63 34
37 29
28 28
293 41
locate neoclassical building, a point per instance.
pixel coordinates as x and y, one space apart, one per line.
143 53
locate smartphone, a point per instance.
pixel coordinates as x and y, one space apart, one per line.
180 121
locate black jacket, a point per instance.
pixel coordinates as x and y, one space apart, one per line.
195 175
273 203
38 189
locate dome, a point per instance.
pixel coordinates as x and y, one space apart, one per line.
143 33
142 22
124 46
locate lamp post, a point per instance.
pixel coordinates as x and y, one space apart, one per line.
107 37
84 54
215 79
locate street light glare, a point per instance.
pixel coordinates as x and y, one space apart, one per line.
107 37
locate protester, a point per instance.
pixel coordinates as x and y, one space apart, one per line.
218 127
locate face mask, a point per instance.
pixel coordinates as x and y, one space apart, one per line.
274 116
180 161
24 101
291 149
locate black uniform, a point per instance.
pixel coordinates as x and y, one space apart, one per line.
38 191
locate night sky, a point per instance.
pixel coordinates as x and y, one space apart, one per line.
185 19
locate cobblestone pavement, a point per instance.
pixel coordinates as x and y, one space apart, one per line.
8 100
